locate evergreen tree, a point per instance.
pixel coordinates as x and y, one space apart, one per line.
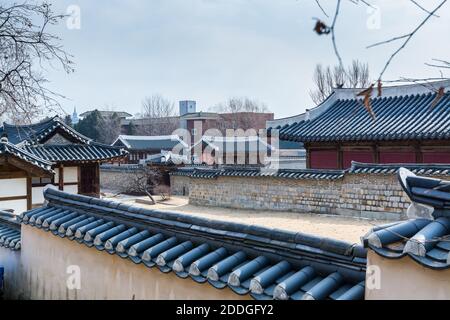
90 125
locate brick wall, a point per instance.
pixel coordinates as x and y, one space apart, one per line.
362 195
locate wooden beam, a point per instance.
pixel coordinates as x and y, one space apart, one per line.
419 155
29 194
61 177
13 175
340 157
13 198
97 180
28 167
376 154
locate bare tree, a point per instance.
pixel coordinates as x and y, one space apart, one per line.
156 106
141 181
158 116
240 104
26 47
326 79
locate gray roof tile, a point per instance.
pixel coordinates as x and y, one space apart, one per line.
205 250
397 118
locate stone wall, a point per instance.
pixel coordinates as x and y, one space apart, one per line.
372 196
179 185
115 178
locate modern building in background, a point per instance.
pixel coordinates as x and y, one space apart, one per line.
251 150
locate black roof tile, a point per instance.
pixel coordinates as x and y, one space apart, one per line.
10 236
402 117
210 173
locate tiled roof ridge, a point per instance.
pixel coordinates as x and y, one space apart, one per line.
418 116
10 234
8 218
400 90
327 174
51 124
253 261
76 152
392 168
133 137
339 251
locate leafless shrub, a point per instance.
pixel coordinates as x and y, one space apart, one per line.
326 79
158 116
237 113
140 182
163 191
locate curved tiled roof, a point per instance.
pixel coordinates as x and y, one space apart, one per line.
263 262
8 148
403 117
9 231
425 241
35 133
167 142
76 152
209 173
417 168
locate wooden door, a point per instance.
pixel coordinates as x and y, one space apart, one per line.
89 180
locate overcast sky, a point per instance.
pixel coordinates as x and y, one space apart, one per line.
210 50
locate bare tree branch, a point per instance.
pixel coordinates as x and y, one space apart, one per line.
407 37
422 8
333 34
321 8
25 48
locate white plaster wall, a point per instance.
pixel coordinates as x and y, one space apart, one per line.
10 260
71 189
405 279
13 187
37 195
46 258
56 175
18 206
70 174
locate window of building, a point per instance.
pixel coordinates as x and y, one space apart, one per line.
194 131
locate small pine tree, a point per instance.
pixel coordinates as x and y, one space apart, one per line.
90 125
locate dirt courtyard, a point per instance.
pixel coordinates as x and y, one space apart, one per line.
337 227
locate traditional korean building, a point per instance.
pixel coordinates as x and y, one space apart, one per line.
411 125
245 150
156 254
143 147
48 153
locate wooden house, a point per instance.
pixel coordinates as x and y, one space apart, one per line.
48 153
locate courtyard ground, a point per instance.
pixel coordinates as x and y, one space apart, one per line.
337 227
